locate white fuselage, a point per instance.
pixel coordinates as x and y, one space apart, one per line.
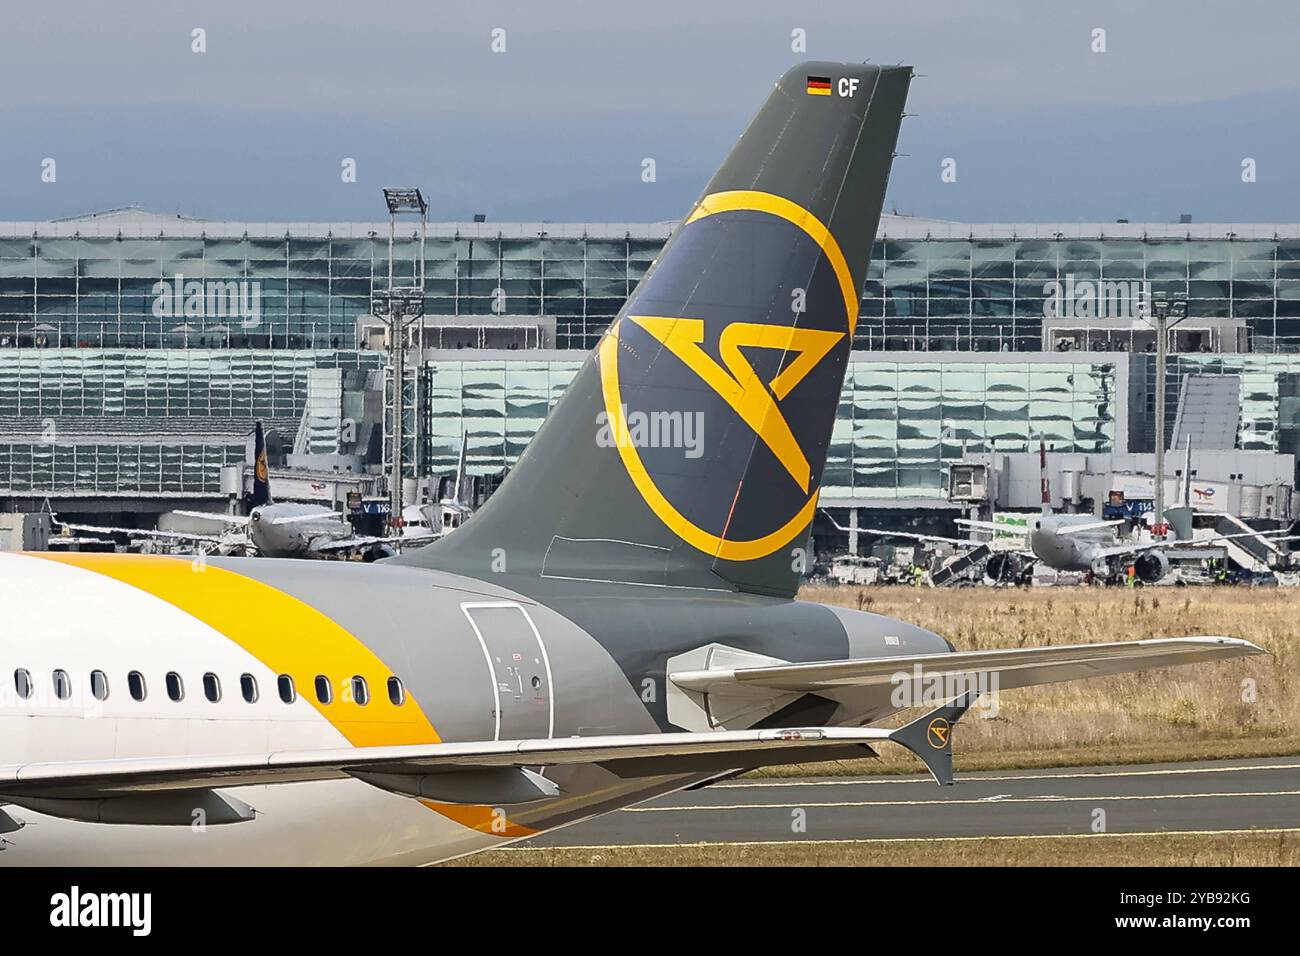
60 618
288 530
1077 551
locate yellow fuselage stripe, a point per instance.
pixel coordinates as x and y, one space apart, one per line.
284 633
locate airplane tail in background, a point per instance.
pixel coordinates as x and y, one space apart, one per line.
1180 516
1044 484
460 492
689 449
261 476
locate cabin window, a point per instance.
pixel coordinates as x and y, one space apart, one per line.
396 692
23 683
324 692
175 686
288 693
62 685
99 685
248 687
360 690
135 685
211 687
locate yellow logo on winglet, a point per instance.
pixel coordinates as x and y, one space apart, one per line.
937 733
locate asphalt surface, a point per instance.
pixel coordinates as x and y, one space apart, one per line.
1212 796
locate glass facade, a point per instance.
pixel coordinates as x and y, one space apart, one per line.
93 422
157 282
296 292
899 423
990 295
497 405
897 426
103 468
135 349
1270 398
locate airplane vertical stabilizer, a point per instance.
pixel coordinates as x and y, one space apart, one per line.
1044 485
690 447
1180 516
261 474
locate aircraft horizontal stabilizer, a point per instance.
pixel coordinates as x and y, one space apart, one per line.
1015 667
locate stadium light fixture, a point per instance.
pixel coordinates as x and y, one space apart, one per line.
405 199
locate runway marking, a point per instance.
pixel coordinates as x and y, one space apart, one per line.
975 779
523 848
973 800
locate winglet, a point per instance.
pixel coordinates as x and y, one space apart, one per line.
930 737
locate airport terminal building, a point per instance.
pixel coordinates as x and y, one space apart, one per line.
136 349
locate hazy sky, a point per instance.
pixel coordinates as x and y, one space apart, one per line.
556 126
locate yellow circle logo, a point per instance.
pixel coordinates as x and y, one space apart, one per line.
937 734
745 323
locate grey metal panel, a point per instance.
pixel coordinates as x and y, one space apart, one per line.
1209 413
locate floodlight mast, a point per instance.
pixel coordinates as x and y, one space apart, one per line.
398 306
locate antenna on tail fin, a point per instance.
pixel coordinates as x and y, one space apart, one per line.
689 449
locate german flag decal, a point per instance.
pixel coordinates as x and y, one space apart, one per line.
819 86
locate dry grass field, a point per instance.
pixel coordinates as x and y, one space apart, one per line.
1238 708
1105 850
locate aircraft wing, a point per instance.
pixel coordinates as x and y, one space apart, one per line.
351 544
1140 546
1005 530
214 516
915 536
319 516
407 768
165 789
881 532
1089 526
355 543
145 533
1015 667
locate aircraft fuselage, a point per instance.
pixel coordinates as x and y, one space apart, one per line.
301 655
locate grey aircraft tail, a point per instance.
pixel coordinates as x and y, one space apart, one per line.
689 449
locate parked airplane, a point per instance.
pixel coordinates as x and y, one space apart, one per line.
618 620
445 515
293 530
1081 543
270 529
